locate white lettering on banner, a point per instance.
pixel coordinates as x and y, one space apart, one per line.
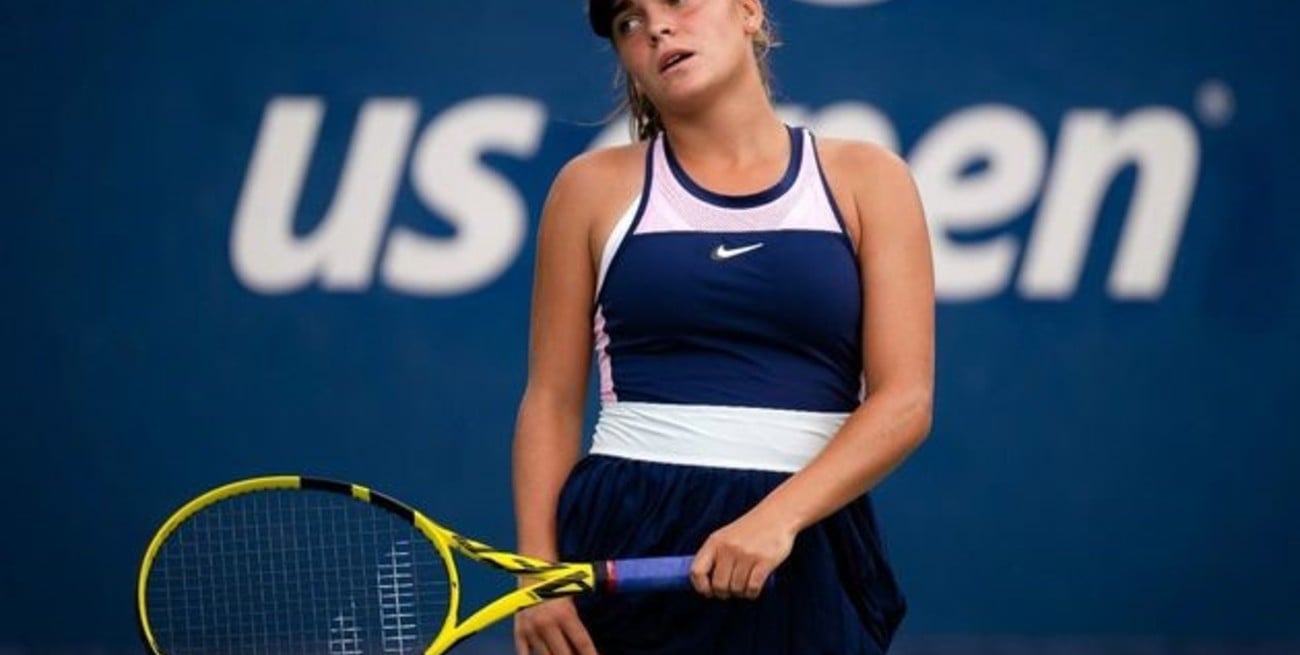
266 255
1014 150
488 212
978 170
1095 147
490 215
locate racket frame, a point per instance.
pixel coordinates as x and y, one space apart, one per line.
546 580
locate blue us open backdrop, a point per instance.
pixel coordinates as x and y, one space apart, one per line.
252 237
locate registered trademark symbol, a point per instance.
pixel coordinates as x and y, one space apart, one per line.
1215 103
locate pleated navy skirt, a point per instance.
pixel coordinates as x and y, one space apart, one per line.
835 594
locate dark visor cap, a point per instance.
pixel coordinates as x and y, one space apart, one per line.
601 15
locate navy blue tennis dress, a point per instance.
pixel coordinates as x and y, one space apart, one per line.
728 339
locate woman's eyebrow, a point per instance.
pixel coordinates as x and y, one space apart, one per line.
619 7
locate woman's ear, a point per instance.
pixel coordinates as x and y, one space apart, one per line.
752 10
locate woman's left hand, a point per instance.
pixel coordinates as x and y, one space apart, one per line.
736 560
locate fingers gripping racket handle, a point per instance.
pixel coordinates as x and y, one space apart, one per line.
650 574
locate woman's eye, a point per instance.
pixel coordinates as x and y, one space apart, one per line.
625 26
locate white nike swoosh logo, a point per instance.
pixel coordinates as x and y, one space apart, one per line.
722 252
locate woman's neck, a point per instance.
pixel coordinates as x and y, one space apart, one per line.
730 135
737 127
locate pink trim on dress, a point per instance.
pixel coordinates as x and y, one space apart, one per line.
607 394
671 208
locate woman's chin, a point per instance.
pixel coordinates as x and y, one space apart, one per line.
684 96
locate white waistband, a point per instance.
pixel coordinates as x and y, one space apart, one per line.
709 435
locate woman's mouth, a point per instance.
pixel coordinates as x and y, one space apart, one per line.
672 59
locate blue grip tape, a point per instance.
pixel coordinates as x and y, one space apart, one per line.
655 574
651 574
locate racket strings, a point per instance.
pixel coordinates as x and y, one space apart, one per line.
296 572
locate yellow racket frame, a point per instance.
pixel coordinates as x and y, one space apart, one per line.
547 579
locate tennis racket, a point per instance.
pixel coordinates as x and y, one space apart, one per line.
290 565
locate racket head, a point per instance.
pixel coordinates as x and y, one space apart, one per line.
290 564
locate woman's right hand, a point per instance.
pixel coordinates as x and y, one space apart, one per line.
552 628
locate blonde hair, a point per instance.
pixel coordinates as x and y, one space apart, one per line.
645 122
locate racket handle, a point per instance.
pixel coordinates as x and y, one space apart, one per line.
646 574
639 575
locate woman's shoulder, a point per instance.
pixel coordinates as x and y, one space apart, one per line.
604 171
860 162
593 189
869 183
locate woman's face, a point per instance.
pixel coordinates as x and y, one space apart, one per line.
677 49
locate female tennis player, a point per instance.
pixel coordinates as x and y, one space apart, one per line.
760 305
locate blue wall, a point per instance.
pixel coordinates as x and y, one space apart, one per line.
1116 434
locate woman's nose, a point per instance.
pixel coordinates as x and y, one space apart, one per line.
660 24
